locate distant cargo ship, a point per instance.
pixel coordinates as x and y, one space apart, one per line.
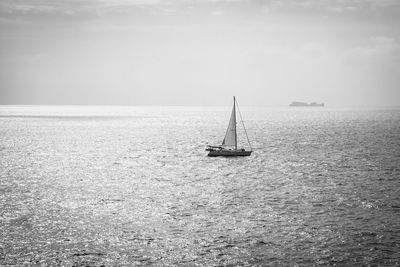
304 104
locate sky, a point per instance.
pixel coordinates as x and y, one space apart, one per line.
200 52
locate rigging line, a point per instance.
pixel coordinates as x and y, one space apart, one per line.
241 119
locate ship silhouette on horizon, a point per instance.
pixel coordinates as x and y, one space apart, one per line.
304 104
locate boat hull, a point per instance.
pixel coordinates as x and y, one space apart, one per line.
229 153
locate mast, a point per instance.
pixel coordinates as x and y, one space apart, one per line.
234 114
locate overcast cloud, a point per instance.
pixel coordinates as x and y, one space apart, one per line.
155 52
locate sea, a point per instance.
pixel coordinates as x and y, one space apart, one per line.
133 186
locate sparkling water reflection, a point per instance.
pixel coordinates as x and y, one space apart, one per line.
133 186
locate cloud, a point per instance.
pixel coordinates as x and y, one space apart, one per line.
90 8
378 47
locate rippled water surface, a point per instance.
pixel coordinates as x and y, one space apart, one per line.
133 186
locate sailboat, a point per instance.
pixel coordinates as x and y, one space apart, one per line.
229 147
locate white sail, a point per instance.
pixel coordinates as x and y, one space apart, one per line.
230 136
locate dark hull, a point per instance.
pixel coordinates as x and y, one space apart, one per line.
229 153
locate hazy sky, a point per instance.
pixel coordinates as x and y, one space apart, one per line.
200 52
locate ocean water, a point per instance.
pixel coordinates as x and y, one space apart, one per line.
123 186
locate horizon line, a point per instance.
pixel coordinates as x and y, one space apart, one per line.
208 105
